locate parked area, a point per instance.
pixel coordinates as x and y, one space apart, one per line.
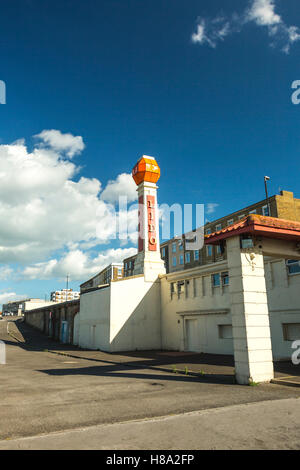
49 387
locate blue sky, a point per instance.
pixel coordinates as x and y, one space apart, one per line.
204 86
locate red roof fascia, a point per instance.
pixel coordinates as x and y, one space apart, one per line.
259 226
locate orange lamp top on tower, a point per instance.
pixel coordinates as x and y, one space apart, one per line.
146 169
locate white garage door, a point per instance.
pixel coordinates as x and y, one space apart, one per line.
192 336
196 340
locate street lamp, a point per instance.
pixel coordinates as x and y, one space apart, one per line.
266 179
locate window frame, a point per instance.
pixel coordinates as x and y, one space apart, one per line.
213 277
289 263
262 210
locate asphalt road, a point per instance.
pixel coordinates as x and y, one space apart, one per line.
240 427
44 393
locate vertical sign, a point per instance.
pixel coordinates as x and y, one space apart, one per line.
152 241
141 223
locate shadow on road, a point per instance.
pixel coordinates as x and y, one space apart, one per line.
212 368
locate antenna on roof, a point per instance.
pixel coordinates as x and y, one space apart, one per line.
266 179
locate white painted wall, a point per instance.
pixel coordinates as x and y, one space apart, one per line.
135 315
32 304
200 302
122 317
76 329
284 304
283 300
94 326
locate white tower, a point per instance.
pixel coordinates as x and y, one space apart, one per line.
146 173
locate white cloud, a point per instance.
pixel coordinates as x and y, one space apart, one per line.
211 207
263 13
122 186
77 264
43 208
212 31
11 296
260 12
5 273
68 143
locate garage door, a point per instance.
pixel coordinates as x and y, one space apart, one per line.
196 334
192 335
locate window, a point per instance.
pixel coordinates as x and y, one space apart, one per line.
241 216
181 246
230 222
196 255
291 331
225 331
253 211
180 287
216 280
181 259
172 288
265 211
174 247
218 227
293 267
219 251
188 257
208 231
209 250
163 253
225 279
174 261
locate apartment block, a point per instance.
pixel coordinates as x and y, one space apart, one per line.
64 295
176 257
113 272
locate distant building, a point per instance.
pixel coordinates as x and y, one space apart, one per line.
177 258
129 265
64 295
113 272
19 307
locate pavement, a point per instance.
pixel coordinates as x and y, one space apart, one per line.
252 426
49 388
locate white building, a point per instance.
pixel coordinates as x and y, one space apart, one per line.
64 295
19 307
247 305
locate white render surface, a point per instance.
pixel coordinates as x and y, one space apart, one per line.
149 262
124 316
253 359
32 304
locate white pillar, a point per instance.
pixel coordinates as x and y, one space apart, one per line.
250 315
149 259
